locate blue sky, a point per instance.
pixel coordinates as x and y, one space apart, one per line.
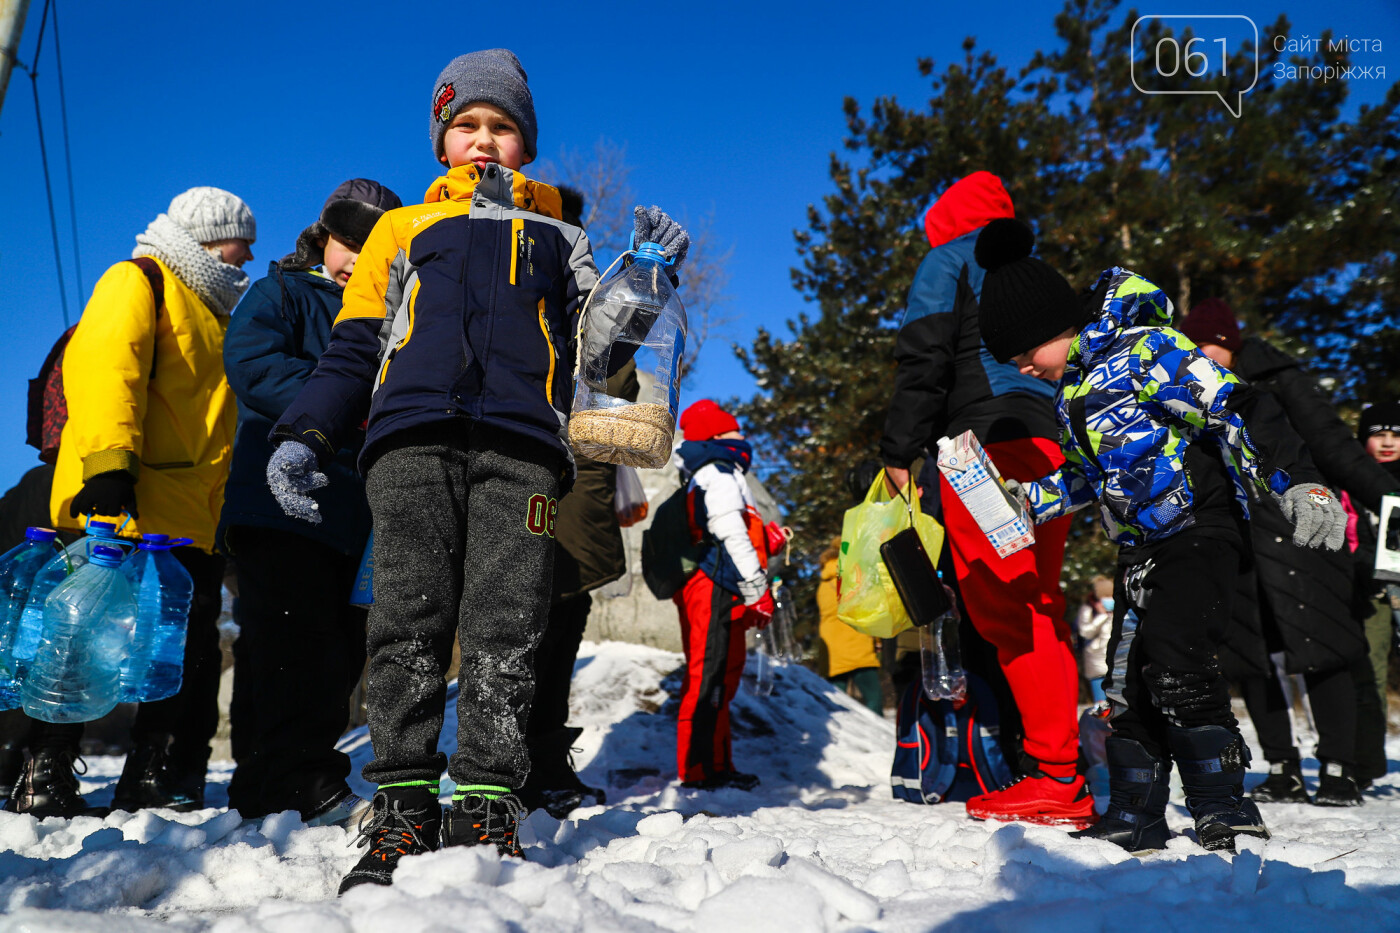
725 108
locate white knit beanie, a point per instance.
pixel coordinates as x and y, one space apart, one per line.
212 214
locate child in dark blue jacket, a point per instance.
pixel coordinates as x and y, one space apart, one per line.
301 645
454 349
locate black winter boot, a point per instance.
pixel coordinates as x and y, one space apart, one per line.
187 770
49 787
1336 786
146 782
11 764
403 821
475 820
1136 818
1212 762
1283 785
553 785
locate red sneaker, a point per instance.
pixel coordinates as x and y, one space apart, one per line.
1038 799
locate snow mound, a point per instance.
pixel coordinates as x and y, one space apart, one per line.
819 846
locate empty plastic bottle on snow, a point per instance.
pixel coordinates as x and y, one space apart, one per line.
88 621
164 590
943 674
18 567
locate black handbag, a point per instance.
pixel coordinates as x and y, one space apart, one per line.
914 576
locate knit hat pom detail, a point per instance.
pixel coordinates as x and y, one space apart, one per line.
1002 242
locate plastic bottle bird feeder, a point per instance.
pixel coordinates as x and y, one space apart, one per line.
635 314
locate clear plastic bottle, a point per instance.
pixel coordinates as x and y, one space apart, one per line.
764 662
61 566
88 621
634 314
943 674
164 590
784 641
18 567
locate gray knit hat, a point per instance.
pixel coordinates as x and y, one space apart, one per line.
493 76
212 214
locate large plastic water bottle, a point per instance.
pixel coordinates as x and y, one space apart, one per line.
88 621
765 662
18 566
164 589
635 314
943 674
59 568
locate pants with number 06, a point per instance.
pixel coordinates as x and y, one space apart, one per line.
463 548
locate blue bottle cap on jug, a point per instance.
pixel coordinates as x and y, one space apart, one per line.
104 556
652 251
154 542
102 529
40 534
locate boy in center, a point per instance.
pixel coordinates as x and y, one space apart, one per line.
455 339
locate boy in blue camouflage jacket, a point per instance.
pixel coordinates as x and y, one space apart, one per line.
1169 444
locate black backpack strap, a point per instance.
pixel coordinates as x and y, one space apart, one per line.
151 269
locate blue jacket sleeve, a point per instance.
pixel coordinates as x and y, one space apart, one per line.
262 356
1061 492
923 353
1201 396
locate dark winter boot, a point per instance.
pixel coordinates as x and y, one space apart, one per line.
1336 785
554 786
1212 762
11 764
476 820
403 821
146 783
723 779
1283 785
49 787
187 769
1138 789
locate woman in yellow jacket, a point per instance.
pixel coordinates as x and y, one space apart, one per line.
150 431
851 655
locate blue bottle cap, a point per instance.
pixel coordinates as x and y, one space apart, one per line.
154 542
104 556
652 251
102 529
40 534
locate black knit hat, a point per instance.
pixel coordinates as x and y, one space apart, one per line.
1382 416
350 213
1024 302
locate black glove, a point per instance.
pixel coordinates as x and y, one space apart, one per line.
110 493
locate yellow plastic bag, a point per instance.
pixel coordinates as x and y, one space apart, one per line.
869 602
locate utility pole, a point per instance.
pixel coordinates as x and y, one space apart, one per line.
11 28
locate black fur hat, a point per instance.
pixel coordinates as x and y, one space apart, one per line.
350 213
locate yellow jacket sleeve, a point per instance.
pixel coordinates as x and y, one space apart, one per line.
105 371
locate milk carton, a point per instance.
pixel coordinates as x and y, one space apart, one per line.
967 468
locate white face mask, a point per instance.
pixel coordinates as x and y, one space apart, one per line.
1107 603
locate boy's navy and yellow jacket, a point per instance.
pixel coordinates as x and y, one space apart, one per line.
1156 432
461 307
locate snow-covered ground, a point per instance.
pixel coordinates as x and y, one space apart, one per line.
819 846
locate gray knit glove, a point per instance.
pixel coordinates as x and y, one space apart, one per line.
292 473
653 225
1317 516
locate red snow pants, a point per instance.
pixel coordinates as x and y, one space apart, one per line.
1016 604
712 636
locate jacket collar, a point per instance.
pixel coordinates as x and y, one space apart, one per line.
498 184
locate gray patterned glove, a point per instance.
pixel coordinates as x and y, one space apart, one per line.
292 473
1317 516
653 225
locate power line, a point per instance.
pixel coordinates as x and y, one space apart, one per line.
67 153
33 71
44 159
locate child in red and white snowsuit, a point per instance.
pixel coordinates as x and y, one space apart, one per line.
723 598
